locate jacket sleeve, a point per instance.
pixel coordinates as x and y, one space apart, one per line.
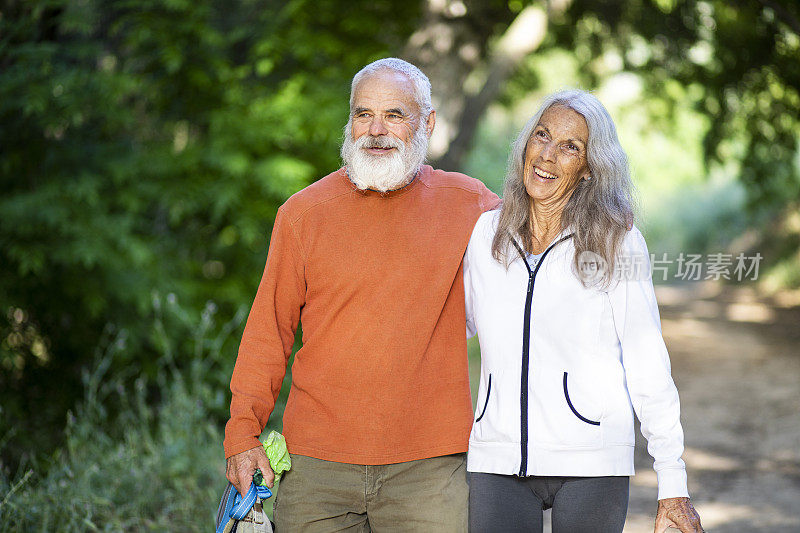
647 366
468 296
267 340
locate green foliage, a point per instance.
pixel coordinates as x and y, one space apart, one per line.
138 454
739 58
146 146
706 98
781 245
682 206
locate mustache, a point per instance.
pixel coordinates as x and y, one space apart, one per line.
368 141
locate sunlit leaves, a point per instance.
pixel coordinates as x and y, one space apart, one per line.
743 55
146 145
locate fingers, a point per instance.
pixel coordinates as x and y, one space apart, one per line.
678 513
690 528
230 474
233 474
266 470
687 520
244 480
662 523
240 468
692 524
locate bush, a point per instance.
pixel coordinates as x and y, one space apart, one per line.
138 456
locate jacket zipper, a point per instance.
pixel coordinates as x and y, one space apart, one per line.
526 339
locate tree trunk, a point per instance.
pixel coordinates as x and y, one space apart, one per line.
468 60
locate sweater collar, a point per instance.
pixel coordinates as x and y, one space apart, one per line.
421 176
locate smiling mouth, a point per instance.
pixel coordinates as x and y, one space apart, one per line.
542 174
379 149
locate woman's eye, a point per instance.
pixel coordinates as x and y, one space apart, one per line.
541 134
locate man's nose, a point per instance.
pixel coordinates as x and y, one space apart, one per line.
377 127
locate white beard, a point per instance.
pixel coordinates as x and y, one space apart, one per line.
383 172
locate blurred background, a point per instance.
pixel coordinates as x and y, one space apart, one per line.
145 147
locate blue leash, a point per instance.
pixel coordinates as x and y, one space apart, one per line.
237 507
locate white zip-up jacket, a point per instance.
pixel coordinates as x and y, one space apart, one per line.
564 367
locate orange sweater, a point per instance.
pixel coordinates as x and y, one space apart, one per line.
377 281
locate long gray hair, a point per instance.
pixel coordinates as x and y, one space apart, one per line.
599 211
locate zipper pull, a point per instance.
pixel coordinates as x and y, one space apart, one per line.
530 283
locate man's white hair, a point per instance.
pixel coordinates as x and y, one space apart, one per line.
422 85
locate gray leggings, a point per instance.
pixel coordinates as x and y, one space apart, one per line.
580 504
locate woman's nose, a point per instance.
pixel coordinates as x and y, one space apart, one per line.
549 151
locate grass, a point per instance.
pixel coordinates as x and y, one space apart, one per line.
146 469
139 456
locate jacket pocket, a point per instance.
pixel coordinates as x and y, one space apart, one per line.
572 407
486 402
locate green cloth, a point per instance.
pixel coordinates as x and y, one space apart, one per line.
277 453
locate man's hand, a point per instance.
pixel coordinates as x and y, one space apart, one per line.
241 467
678 513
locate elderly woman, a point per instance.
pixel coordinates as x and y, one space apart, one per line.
558 290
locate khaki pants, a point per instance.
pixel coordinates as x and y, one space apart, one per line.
325 496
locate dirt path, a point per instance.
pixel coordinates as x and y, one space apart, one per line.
736 362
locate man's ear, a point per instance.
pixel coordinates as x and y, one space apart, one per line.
431 122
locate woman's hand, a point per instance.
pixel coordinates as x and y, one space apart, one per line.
678 513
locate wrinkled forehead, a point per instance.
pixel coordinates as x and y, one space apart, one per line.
383 90
563 121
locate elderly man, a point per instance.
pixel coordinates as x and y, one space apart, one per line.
369 258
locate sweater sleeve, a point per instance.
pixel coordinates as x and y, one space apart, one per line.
267 340
647 366
489 200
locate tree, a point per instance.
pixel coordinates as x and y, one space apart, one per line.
146 147
469 50
739 59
